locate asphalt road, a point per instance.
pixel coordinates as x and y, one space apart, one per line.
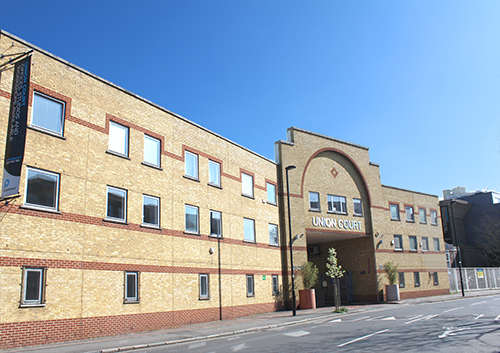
465 325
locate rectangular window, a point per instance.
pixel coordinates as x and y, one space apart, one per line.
409 214
249 229
435 278
314 201
271 193
357 207
413 243
213 173
48 113
215 224
191 164
401 279
436 244
434 218
273 234
337 204
33 286
192 219
276 288
394 211
422 216
250 288
204 286
42 189
425 244
152 150
398 242
118 139
131 287
247 185
116 208
151 211
416 279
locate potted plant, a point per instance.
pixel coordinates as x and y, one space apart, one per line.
392 289
307 296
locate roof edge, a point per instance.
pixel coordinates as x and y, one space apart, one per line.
327 137
415 192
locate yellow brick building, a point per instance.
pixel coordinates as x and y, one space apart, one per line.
132 218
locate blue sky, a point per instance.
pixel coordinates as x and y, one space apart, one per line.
418 82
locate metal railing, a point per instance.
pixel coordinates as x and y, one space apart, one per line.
474 278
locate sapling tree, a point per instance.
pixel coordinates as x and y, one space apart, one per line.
335 271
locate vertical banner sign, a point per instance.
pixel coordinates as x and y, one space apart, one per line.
446 222
16 130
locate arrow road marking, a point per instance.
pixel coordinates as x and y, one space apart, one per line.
452 331
362 338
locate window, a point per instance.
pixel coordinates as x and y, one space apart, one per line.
398 242
425 244
215 224
192 219
271 193
247 185
401 279
314 201
337 204
358 207
204 286
152 148
434 218
131 287
33 286
249 229
250 288
436 244
48 113
213 173
276 288
118 139
116 204
416 279
409 214
394 211
273 234
413 243
422 216
151 210
42 189
435 278
191 164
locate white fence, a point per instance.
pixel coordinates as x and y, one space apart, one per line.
474 278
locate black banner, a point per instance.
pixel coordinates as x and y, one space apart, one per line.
16 130
446 222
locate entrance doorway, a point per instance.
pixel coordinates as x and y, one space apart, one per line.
326 288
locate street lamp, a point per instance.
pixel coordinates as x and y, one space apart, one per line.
457 248
290 167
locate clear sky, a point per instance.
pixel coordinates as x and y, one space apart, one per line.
418 82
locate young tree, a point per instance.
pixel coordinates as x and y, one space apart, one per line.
335 271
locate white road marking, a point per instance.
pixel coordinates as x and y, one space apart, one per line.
477 317
239 347
421 318
362 338
361 318
338 320
496 299
411 318
389 318
451 331
484 301
375 318
197 344
497 318
447 311
297 333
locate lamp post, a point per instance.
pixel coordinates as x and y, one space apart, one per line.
457 248
290 167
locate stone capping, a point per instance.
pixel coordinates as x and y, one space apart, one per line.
326 137
406 190
73 66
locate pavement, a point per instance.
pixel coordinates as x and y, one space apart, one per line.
218 329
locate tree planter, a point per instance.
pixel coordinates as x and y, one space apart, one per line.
392 292
307 299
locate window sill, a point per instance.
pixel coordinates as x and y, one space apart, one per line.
410 221
215 236
191 232
150 226
154 166
272 203
413 251
396 219
339 213
249 241
117 221
274 245
315 210
190 177
423 222
31 306
399 250
203 299
117 154
251 296
131 302
432 224
215 185
248 196
41 209
46 132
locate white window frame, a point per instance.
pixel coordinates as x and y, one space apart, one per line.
275 284
36 97
434 219
332 199
118 135
218 223
401 278
435 278
422 216
152 151
272 228
410 216
204 286
108 217
358 202
435 242
247 185
57 176
197 211
311 208
249 230
191 165
40 286
413 243
416 279
214 177
400 237
271 194
135 298
425 244
250 286
394 215
152 198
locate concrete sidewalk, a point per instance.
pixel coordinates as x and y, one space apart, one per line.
222 328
